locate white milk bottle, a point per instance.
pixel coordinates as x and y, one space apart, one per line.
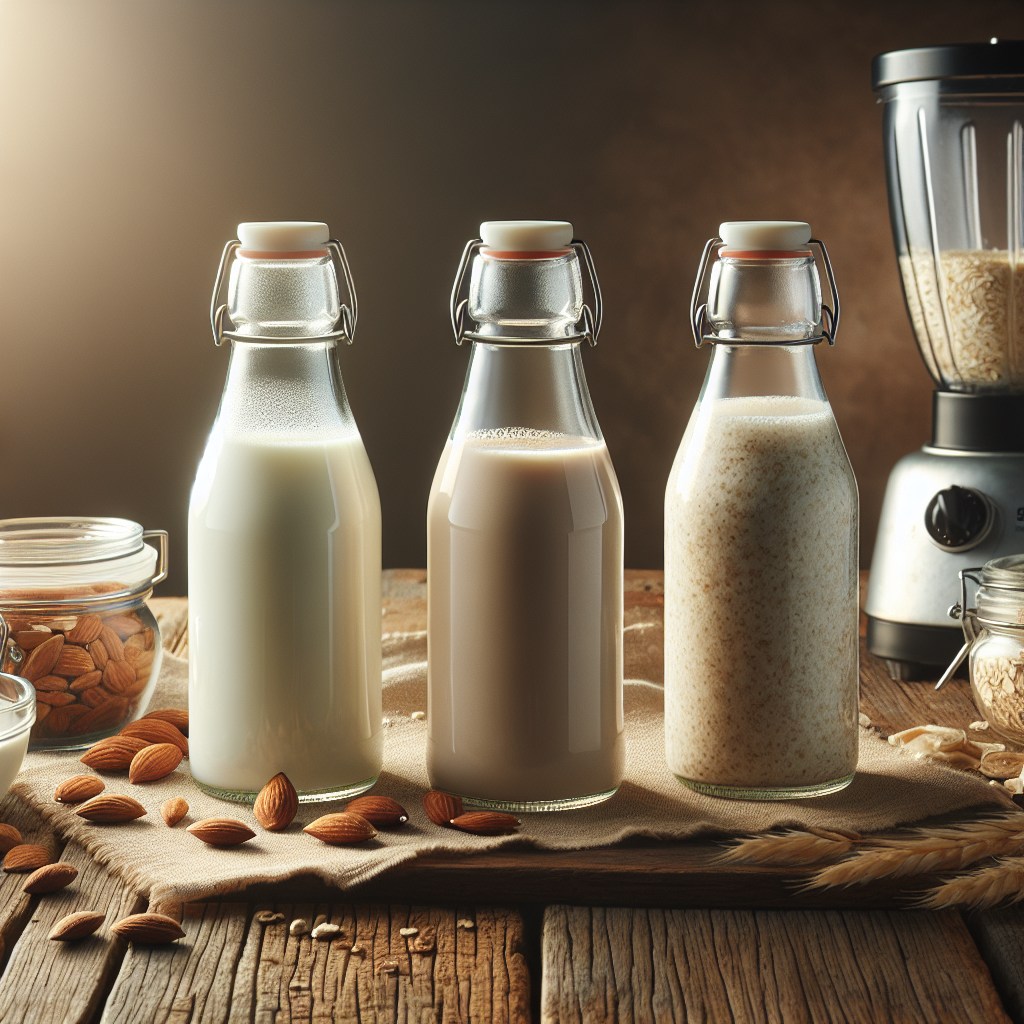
761 515
524 542
284 537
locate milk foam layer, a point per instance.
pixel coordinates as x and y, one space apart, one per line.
284 614
525 618
761 597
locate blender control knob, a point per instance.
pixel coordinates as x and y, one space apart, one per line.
958 518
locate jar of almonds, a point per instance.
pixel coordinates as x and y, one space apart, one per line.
994 631
74 593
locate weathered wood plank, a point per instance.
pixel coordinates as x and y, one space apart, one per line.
856 967
64 981
999 934
371 971
15 906
185 982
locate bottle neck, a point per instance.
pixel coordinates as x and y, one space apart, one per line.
526 387
750 371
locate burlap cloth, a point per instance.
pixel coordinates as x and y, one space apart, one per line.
891 788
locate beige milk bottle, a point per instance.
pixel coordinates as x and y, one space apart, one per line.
524 542
284 537
761 510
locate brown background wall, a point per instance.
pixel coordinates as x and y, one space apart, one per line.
135 136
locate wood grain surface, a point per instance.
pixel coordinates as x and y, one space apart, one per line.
856 967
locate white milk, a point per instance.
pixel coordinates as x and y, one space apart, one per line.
524 551
285 614
761 610
12 753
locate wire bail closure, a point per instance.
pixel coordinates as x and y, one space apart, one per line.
591 321
699 319
349 316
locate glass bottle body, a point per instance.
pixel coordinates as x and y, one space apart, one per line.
284 581
524 556
761 584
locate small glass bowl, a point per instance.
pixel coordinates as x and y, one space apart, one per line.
17 716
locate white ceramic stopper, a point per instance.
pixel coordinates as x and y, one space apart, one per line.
283 235
765 234
526 235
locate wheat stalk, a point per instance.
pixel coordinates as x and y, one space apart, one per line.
980 889
792 847
934 849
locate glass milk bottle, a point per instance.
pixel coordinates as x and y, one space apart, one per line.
761 516
524 541
284 537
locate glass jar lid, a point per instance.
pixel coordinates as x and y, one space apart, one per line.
1001 591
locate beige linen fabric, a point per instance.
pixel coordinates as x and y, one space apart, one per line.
891 788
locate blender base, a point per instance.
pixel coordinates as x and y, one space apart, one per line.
912 651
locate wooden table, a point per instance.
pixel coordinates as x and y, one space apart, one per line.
642 932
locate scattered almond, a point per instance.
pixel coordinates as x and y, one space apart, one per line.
173 810
50 878
155 730
486 823
26 858
300 926
441 807
150 929
76 925
467 924
380 811
114 754
407 932
9 838
110 808
177 718
1002 765
326 931
221 831
78 788
276 804
267 917
341 828
154 762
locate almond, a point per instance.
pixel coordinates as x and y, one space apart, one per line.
94 696
154 762
106 714
114 754
50 878
124 625
173 810
177 718
42 711
9 838
76 925
87 629
441 807
118 676
85 682
380 811
342 827
486 823
40 662
68 622
50 684
73 661
111 807
28 639
55 700
112 642
26 858
277 803
156 731
221 831
150 929
78 788
98 653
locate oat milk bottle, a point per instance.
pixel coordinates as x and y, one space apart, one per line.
524 541
284 537
761 511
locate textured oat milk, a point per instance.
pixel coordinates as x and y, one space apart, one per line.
761 609
284 631
525 612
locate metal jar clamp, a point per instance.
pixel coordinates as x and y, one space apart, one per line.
591 321
349 315
698 314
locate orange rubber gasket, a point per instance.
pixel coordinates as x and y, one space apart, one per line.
537 254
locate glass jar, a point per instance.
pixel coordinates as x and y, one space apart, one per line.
995 641
17 713
74 593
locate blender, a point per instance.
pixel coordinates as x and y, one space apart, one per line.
954 149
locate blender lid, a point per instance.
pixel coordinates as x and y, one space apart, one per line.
999 57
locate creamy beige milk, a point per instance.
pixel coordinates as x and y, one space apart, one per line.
761 609
285 615
524 553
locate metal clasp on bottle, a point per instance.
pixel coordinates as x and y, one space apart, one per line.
699 318
349 316
589 321
968 619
